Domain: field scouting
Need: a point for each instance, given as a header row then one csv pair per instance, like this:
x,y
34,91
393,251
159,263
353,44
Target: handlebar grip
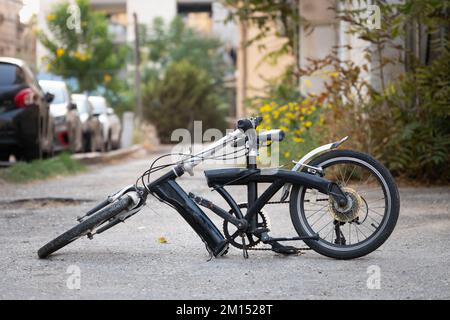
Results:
x,y
271,135
258,121
246,124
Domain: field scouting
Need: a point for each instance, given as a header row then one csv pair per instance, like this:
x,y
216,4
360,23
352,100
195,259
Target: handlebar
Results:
x,y
251,123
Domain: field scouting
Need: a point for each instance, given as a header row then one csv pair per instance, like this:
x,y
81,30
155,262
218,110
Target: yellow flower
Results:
x,y
265,108
290,115
307,83
307,124
321,120
51,17
276,114
59,52
80,55
106,78
287,154
285,129
298,139
333,74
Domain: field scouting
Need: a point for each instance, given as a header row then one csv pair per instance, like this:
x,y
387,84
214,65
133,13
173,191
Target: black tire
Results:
x,y
87,142
108,143
385,227
32,147
4,157
82,228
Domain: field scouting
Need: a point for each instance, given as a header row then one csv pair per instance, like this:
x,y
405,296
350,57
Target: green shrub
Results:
x,y
60,165
184,93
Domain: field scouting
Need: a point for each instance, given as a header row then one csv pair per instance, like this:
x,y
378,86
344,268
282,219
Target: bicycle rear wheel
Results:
x,y
366,222
86,226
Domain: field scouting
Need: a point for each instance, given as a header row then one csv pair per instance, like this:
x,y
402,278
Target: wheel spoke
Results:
x,y
321,208
323,214
350,176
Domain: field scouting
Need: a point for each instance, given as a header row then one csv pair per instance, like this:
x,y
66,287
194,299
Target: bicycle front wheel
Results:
x,y
369,217
86,226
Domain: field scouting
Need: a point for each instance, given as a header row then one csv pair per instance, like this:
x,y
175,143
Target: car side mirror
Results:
x,y
49,97
73,106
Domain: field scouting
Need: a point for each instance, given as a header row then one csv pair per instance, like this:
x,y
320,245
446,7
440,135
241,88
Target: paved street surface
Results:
x,y
129,262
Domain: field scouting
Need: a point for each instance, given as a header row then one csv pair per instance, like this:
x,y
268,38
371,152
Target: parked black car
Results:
x,y
26,128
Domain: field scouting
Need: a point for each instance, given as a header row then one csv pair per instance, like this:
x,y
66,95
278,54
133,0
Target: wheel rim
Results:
x,y
312,207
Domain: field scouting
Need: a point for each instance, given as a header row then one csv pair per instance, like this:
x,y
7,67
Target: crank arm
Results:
x,y
270,239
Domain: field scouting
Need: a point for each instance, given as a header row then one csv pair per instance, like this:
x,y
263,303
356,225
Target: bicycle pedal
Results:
x,y
287,250
260,231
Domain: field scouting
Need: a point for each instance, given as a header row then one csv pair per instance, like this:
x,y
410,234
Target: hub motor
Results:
x,y
351,211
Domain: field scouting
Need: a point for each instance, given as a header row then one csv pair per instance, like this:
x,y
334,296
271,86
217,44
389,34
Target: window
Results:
x,y
10,75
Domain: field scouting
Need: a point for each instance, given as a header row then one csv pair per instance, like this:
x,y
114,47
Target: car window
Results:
x,y
31,79
59,92
11,74
82,105
99,105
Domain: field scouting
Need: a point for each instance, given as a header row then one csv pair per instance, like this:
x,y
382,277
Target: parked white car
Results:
x,y
92,128
66,119
111,125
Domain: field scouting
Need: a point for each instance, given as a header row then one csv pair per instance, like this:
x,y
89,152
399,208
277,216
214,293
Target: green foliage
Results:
x,y
90,56
175,42
420,144
184,93
42,169
183,78
402,120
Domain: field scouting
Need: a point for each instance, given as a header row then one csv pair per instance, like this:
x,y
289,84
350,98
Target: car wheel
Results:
x,y
33,148
87,141
79,138
4,157
47,142
108,142
99,141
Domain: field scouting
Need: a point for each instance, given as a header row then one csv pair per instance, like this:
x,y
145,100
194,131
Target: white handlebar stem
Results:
x,y
199,157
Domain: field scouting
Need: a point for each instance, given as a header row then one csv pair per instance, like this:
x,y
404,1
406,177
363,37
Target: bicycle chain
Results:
x,y
270,249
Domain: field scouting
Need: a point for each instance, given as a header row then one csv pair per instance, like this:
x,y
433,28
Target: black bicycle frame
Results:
x,y
168,191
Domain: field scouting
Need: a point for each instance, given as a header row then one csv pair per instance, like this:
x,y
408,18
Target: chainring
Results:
x,y
250,240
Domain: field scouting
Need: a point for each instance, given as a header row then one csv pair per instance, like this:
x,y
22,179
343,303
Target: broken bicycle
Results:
x,y
343,204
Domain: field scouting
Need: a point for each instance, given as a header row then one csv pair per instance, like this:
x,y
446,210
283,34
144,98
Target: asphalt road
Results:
x,y
129,262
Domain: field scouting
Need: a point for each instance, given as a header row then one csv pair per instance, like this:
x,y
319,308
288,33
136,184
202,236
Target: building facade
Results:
x,y
16,39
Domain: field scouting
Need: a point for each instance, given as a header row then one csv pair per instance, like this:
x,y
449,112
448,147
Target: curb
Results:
x,y
99,157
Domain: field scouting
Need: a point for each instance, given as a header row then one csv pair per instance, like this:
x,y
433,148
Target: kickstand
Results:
x,y
244,248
